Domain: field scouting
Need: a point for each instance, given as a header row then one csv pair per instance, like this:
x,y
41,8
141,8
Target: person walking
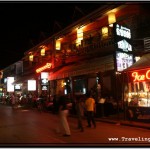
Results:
x,y
13,100
90,110
80,108
63,113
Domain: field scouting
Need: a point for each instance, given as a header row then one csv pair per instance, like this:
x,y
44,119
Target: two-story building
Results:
x,y
88,55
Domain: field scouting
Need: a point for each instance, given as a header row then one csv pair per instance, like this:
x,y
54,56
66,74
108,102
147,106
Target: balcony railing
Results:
x,y
96,48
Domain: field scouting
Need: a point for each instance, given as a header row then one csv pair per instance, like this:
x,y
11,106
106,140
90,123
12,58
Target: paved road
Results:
x,y
22,127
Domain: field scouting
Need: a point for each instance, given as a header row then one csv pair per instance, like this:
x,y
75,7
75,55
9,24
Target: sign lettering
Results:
x,y
48,65
137,77
123,31
124,45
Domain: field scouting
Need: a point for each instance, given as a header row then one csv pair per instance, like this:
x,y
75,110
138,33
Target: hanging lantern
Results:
x,y
58,44
78,42
43,52
111,19
105,31
31,57
80,34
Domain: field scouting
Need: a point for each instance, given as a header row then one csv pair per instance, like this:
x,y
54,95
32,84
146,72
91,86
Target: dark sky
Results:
x,y
25,24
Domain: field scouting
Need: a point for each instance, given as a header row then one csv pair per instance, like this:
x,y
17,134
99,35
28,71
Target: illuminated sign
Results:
x,y
10,86
31,85
122,38
48,65
44,75
44,88
44,78
44,81
137,58
141,76
124,56
123,60
17,87
124,45
123,31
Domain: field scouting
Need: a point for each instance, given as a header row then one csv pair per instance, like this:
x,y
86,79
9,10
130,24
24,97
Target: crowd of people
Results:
x,y
27,100
61,106
83,106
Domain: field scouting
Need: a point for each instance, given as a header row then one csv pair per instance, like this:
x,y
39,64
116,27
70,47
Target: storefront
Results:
x,y
137,90
80,77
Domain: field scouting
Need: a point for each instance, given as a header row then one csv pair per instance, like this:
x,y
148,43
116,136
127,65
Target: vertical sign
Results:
x,y
44,80
10,86
123,55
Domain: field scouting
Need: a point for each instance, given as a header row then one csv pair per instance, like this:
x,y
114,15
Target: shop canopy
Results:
x,y
143,63
84,67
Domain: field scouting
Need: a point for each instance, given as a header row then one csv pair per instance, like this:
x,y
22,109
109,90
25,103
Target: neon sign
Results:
x,y
141,77
48,65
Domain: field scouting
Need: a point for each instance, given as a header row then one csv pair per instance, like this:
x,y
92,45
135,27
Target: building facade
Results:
x,y
88,55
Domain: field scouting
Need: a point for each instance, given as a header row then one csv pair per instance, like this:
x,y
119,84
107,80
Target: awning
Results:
x,y
143,63
89,66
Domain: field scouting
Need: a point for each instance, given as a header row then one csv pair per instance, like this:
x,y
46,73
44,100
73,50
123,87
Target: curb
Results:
x,y
121,122
131,124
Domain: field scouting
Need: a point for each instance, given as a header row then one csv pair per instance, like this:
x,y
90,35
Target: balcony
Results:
x,y
96,48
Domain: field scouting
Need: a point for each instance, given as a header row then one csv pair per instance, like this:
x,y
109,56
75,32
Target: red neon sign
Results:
x,y
48,65
141,77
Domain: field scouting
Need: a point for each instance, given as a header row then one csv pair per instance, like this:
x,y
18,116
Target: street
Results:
x,y
29,127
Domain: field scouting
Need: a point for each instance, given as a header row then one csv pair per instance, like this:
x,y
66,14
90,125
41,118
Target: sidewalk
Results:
x,y
125,122
114,120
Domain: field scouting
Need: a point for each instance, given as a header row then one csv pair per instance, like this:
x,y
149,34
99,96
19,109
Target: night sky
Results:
x,y
25,24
